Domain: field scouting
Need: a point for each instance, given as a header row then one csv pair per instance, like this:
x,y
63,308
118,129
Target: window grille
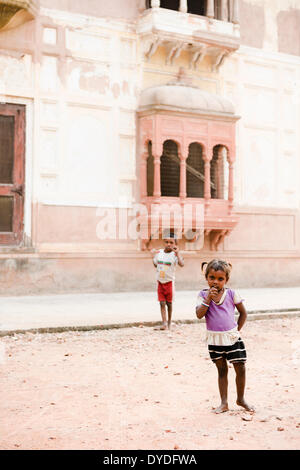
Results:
x,y
7,125
170,4
150,171
195,171
218,172
170,170
197,7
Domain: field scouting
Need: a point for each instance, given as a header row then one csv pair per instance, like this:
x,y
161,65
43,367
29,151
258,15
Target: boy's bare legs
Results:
x,y
163,315
240,380
223,384
170,310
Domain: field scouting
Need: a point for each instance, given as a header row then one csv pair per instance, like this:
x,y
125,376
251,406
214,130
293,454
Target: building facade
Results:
x,y
111,112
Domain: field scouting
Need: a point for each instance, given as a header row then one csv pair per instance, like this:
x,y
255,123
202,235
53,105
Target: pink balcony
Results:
x,y
187,144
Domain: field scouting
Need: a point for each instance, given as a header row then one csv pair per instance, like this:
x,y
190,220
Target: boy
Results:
x,y
165,261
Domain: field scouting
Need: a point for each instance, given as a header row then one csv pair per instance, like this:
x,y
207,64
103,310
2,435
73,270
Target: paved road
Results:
x,y
74,310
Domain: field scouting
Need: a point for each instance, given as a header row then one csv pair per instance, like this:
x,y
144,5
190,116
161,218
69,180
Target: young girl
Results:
x,y
218,304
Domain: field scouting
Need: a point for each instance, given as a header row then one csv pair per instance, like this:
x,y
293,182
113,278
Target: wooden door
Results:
x,y
12,156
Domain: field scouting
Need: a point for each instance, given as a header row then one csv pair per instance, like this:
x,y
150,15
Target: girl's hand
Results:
x,y
213,293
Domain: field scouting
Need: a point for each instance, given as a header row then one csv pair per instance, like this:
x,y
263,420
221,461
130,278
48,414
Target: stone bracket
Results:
x,y
9,9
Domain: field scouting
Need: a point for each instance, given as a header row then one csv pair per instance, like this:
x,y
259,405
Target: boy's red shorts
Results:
x,y
165,291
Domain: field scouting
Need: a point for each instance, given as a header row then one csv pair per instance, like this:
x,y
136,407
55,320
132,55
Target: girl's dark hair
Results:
x,y
217,265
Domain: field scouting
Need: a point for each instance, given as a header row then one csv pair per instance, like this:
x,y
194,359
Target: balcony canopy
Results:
x,y
181,97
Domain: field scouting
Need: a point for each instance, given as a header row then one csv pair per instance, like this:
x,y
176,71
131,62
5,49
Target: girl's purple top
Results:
x,y
220,317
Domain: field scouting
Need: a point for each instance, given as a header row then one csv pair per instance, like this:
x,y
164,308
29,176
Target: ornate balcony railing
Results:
x,y
214,34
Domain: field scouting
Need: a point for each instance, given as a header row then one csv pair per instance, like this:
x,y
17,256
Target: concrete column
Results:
x,y
210,10
236,12
155,3
183,7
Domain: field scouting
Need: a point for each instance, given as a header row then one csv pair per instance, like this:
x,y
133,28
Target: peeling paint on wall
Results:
x,y
288,24
125,88
87,77
94,83
252,24
116,90
114,9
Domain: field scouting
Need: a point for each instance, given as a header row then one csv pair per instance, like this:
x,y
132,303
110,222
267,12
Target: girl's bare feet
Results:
x,y
245,405
164,326
222,408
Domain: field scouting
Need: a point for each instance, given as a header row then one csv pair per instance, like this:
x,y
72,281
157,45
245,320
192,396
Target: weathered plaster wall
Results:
x,y
270,25
288,23
116,8
265,88
116,272
252,21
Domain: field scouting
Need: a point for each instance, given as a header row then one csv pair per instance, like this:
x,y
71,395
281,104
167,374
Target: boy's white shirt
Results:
x,y
165,272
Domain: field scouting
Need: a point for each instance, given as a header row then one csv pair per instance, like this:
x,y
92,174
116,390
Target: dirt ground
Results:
x,y
139,388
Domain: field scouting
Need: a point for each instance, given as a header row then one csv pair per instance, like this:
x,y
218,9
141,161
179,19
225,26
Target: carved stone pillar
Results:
x,y
182,189
231,183
183,7
156,186
143,173
220,174
236,12
224,10
207,192
155,3
210,9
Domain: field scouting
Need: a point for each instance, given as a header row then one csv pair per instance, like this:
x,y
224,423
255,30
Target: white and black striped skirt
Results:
x,y
233,353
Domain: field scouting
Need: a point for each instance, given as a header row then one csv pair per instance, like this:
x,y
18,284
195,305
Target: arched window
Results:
x,y
170,4
195,171
219,173
197,7
150,170
170,170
